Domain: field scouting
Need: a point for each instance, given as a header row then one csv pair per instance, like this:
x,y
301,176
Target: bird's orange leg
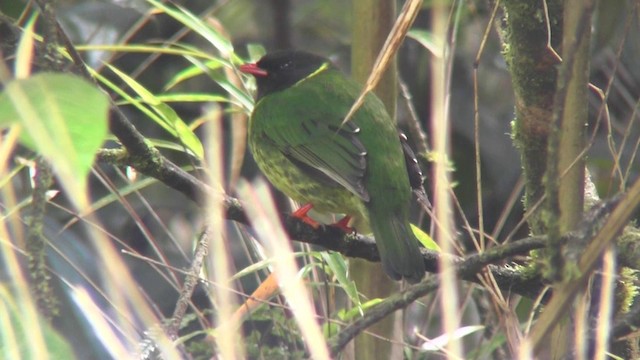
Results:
x,y
301,214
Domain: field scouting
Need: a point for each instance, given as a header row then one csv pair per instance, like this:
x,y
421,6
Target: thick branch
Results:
x,y
529,50
565,174
155,165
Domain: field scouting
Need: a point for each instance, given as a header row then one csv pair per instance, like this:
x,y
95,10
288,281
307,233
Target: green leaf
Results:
x,y
426,39
63,117
241,96
330,329
192,97
183,97
193,71
172,49
255,51
425,239
340,270
166,116
346,315
220,42
263,264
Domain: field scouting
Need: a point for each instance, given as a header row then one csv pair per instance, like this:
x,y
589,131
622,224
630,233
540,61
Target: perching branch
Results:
x,y
36,243
358,246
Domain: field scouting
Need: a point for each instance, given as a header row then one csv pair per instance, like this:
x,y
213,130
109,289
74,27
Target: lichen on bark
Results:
x,y
530,53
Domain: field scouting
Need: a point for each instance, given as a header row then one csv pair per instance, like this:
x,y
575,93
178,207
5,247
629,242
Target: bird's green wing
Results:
x,y
328,153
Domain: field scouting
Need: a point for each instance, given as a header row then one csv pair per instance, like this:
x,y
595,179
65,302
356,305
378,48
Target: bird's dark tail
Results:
x,y
398,246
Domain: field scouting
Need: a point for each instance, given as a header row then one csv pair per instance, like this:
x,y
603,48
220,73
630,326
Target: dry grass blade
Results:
x,y
99,323
267,289
24,56
264,218
219,260
394,40
606,307
441,130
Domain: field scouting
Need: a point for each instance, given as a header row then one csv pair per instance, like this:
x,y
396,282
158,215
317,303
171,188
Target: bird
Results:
x,y
300,141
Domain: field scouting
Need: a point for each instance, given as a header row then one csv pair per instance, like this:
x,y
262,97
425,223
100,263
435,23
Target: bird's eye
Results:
x,y
285,65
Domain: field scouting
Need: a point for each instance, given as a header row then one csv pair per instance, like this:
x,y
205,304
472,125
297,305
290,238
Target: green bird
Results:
x,y
358,168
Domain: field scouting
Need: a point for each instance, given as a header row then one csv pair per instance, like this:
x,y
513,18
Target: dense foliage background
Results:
x,y
144,240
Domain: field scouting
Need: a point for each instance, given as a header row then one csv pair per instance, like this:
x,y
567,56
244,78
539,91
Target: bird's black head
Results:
x,y
279,70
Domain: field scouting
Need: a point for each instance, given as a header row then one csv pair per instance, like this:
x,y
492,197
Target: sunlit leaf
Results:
x,y
426,39
425,239
256,51
170,120
346,315
340,269
191,72
145,49
64,118
192,97
241,96
188,19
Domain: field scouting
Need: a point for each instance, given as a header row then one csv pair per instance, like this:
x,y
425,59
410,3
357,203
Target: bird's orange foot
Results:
x,y
302,214
343,224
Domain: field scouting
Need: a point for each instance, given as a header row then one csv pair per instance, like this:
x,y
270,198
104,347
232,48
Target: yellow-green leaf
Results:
x,y
63,117
166,116
425,239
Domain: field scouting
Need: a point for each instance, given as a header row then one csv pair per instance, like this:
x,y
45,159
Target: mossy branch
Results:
x,y
531,35
565,174
36,243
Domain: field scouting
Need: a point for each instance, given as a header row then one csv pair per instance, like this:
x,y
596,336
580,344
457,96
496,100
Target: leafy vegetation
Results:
x,y
135,225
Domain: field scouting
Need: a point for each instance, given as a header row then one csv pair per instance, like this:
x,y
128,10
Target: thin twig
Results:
x,y
190,282
465,269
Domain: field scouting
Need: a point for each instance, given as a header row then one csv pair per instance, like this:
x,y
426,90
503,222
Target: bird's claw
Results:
x,y
302,214
343,224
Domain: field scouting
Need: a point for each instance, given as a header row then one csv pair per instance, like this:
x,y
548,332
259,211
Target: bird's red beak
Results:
x,y
253,69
